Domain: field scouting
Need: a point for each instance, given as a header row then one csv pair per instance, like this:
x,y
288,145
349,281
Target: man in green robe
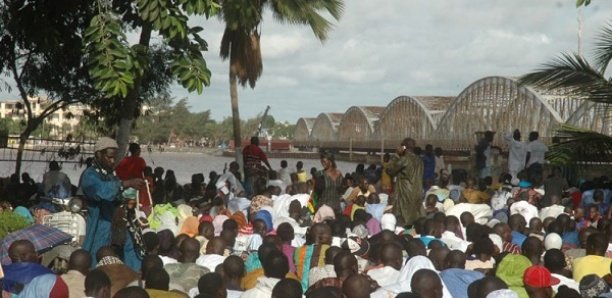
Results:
x,y
407,167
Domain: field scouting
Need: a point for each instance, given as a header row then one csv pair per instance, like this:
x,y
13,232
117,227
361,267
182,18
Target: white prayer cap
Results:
x,y
105,143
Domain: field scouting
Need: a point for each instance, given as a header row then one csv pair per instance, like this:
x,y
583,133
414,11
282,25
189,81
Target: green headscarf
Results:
x,y
511,270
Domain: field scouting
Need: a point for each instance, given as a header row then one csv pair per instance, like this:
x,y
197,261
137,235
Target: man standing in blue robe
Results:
x,y
102,190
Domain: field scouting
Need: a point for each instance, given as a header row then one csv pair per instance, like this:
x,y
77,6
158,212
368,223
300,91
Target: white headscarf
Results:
x,y
413,265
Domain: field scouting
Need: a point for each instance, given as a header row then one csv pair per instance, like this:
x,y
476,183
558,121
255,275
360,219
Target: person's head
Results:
x,y
486,285
532,248
211,285
320,233
275,265
427,284
584,235
455,259
451,223
190,250
285,232
22,251
517,223
206,229
438,256
80,260
373,198
132,292
105,251
466,218
356,286
538,281
409,143
597,244
484,248
386,157
535,224
150,264
97,284
429,149
431,200
134,149
105,153
229,236
488,135
415,247
331,253
255,140
216,246
391,255
328,161
429,227
554,260
345,264
534,135
516,135
233,268
287,288
593,286
54,166
158,280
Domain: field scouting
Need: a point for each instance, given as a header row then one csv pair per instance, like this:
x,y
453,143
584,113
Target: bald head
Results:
x,y
22,251
409,143
190,250
105,251
391,255
426,283
233,268
80,260
356,286
345,264
455,259
215,246
321,233
437,256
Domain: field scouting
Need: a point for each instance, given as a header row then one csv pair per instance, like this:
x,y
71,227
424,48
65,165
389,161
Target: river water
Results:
x,y
184,165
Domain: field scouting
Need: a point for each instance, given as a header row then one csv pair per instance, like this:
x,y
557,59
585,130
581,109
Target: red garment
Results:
x,y
132,167
511,248
253,156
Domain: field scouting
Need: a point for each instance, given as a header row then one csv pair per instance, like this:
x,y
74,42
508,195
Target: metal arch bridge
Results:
x,y
493,103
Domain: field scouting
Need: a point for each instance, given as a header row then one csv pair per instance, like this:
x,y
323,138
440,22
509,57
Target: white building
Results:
x,y
60,123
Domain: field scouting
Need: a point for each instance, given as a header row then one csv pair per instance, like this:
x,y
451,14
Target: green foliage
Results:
x,y
582,2
11,222
112,64
580,145
573,76
115,65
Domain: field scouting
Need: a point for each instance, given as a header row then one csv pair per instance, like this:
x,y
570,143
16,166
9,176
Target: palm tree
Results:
x,y
240,42
572,75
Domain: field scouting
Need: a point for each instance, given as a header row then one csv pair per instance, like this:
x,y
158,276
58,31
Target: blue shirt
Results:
x,y
457,280
21,274
571,238
518,238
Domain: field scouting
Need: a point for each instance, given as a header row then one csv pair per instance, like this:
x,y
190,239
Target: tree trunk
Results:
x,y
23,138
131,102
235,115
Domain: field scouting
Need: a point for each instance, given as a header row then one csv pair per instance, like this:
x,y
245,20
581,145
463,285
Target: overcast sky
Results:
x,y
386,48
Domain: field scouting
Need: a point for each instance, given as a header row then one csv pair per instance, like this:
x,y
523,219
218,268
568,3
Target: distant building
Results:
x,y
60,123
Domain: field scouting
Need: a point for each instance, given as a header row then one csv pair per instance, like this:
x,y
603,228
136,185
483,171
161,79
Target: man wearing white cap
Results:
x,y
102,190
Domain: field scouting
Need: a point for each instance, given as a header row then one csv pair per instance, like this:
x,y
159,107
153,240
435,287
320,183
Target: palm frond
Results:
x,y
571,75
580,147
308,12
244,51
603,48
